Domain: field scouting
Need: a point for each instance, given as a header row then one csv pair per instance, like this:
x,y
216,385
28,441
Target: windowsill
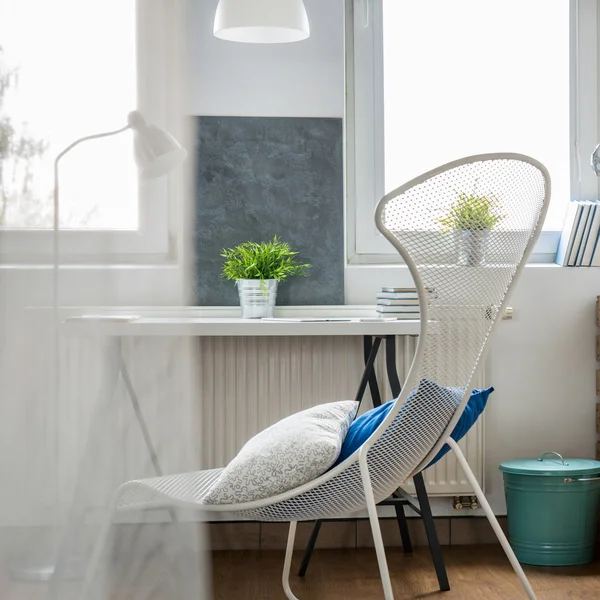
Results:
x,y
362,282
544,252
152,263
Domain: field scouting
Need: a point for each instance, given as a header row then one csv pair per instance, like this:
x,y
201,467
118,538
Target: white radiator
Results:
x,y
248,384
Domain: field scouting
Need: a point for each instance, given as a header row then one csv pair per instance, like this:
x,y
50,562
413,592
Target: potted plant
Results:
x,y
471,217
257,268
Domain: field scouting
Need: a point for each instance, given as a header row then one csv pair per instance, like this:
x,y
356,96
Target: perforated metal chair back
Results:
x,y
463,279
465,231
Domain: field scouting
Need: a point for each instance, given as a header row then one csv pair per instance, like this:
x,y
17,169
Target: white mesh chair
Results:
x,y
462,295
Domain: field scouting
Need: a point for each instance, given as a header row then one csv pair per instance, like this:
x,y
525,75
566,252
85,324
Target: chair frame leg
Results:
x,y
287,563
430,530
516,565
386,582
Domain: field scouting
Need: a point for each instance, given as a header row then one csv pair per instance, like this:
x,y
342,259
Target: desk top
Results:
x,y
220,322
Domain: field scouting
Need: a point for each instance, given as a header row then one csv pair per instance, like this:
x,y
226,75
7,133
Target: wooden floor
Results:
x,y
475,572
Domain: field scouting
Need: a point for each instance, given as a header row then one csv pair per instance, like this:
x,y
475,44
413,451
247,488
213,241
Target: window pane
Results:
x,y
67,69
473,76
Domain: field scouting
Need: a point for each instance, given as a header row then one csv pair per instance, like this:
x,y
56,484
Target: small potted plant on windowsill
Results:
x,y
471,217
257,268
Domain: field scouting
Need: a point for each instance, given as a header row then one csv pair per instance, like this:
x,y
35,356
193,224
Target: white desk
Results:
x,y
228,327
221,322
225,322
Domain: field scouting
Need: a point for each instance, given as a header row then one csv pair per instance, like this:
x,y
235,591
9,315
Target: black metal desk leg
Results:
x,y
390,363
434,543
370,351
138,411
432,538
140,418
403,526
396,388
368,378
309,549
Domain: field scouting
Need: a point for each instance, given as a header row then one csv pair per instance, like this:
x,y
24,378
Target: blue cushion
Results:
x,y
474,408
362,428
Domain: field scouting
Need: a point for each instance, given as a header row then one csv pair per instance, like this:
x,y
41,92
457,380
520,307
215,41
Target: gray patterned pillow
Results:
x,y
292,452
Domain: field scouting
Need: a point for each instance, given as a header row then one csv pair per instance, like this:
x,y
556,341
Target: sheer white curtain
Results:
x,y
62,458
69,430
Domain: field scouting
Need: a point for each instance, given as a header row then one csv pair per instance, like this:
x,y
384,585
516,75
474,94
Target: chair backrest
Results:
x,y
463,281
465,231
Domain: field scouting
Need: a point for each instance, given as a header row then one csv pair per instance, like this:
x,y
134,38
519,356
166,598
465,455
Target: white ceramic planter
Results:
x,y
257,298
471,247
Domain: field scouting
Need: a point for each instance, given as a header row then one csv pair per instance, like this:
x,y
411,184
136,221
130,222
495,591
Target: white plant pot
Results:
x,y
257,298
471,247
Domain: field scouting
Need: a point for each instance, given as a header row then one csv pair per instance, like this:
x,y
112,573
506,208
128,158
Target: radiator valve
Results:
x,y
460,502
457,503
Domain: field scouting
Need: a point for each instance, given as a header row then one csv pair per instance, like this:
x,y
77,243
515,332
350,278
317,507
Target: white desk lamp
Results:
x,y
261,21
156,153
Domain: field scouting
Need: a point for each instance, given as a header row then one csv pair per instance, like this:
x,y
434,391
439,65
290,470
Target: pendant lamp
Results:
x,y
261,21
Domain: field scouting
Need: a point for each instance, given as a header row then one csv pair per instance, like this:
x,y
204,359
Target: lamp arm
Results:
x,y
55,220
56,194
55,254
94,136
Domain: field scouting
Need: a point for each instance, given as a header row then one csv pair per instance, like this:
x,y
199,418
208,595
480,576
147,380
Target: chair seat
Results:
x,y
334,497
183,488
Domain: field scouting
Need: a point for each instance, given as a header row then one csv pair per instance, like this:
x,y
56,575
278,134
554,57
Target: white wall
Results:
x,y
303,79
542,363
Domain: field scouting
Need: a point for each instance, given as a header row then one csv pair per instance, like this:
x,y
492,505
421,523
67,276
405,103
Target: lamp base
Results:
x,y
42,571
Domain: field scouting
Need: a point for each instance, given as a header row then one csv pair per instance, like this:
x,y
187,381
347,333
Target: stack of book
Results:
x,y
578,246
401,303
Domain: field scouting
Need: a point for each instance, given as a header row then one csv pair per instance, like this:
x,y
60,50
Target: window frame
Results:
x,y
364,125
158,64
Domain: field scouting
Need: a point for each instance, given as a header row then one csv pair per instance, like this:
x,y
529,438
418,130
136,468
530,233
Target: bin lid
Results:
x,y
551,463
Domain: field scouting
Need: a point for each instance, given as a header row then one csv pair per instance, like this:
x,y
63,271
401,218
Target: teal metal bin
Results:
x,y
552,506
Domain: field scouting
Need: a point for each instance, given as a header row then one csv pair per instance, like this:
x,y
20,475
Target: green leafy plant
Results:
x,y
471,212
264,260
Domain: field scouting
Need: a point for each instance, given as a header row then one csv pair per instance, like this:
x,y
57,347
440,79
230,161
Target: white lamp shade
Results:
x,y
156,151
261,21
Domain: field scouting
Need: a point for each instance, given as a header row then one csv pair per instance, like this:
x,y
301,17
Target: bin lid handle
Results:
x,y
541,458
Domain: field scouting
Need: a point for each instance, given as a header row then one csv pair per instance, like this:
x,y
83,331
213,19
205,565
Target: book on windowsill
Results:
x,y
399,290
397,296
390,292
398,302
579,240
401,316
398,310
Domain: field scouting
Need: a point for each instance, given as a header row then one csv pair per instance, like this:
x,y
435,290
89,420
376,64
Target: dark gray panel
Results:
x,y
258,177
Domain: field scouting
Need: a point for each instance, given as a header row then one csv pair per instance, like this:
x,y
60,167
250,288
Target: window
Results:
x,y
432,81
69,69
